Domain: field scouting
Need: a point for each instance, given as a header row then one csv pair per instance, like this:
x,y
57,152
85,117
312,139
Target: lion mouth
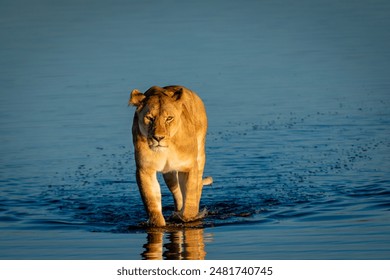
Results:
x,y
157,146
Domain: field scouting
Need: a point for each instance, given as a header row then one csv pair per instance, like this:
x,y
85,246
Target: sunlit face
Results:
x,y
159,121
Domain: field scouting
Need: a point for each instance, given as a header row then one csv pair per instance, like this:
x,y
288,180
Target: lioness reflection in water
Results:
x,y
182,244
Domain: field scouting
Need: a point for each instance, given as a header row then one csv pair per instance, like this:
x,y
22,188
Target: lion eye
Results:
x,y
169,119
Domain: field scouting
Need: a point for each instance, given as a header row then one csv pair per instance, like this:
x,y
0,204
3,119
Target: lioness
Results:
x,y
169,133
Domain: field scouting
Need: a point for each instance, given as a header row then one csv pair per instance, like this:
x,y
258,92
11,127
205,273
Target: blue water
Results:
x,y
298,100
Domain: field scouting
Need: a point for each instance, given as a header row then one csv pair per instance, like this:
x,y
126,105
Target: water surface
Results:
x,y
297,95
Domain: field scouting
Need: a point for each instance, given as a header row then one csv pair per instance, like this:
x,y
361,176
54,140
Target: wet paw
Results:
x,y
156,221
178,216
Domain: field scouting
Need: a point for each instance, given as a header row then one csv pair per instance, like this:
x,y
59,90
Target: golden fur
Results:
x,y
169,133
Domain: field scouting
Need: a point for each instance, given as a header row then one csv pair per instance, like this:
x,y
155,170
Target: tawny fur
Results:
x,y
169,133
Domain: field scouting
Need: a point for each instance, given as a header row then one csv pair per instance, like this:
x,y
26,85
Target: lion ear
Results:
x,y
136,98
178,94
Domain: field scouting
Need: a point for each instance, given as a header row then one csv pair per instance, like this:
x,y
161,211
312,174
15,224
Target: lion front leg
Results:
x,y
189,186
151,196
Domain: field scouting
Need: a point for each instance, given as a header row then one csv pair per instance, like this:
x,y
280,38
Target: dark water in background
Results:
x,y
297,94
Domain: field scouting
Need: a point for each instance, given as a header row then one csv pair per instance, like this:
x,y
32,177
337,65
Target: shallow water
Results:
x,y
298,145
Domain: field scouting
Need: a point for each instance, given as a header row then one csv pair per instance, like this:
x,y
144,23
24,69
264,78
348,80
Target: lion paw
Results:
x,y
156,221
178,216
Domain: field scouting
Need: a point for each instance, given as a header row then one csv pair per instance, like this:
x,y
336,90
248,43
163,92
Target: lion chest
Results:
x,y
175,163
166,161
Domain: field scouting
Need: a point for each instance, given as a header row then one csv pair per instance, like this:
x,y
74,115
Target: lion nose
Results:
x,y
158,138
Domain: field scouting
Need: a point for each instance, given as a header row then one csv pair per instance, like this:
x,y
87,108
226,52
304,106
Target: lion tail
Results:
x,y
207,181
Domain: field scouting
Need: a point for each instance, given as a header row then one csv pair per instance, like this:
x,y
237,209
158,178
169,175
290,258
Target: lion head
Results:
x,y
158,114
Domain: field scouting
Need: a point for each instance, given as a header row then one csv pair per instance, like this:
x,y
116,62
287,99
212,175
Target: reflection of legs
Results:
x,y
151,196
194,245
172,181
187,244
174,249
153,248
